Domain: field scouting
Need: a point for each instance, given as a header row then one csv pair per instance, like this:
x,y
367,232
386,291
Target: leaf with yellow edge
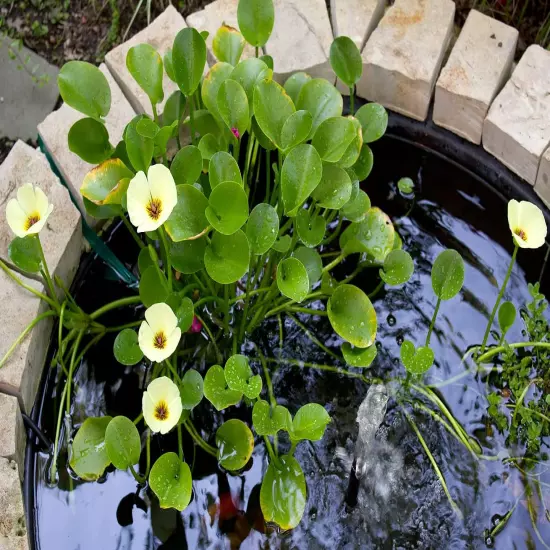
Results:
x,y
100,182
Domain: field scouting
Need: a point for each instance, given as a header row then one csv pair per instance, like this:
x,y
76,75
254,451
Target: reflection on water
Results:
x,y
398,501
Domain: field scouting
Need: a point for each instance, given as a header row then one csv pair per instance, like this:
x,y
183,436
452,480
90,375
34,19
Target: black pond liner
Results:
x,y
407,148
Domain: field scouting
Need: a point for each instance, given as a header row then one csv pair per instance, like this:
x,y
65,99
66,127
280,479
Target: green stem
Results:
x,y
130,300
71,371
351,100
499,298
313,338
53,470
432,324
291,303
137,477
226,308
191,120
189,426
334,263
155,113
210,335
148,464
173,371
495,351
28,328
47,275
308,310
132,231
167,260
270,450
180,443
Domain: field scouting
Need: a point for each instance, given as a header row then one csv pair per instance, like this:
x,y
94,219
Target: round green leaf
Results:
x,y
223,167
170,479
321,99
272,108
188,256
248,73
334,189
188,59
147,128
217,391
283,492
122,443
311,229
239,376
174,108
282,245
328,284
358,205
228,207
140,149
187,220
103,212
296,129
374,121
211,85
294,85
358,357
89,139
332,138
416,361
398,268
185,313
145,64
374,235
101,183
186,167
268,421
153,287
256,19
292,279
235,444
192,389
228,44
309,423
351,154
345,60
88,454
312,262
168,65
126,348
363,165
24,252
506,316
406,186
352,316
268,60
208,146
84,87
300,175
447,274
262,228
263,140
227,256
233,106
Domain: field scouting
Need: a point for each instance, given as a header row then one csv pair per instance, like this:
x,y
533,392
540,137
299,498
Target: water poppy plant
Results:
x,y
161,404
28,213
159,334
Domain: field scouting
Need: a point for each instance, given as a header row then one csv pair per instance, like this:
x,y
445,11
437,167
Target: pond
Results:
x,y
398,502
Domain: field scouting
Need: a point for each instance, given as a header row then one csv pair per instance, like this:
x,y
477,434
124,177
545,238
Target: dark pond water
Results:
x,y
400,503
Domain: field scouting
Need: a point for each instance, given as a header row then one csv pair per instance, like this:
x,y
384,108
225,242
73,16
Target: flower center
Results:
x,y
520,233
31,220
154,209
159,340
161,410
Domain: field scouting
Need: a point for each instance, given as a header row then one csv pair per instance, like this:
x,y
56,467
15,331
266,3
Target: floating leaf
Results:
x,y
294,85
311,229
352,316
239,376
358,205
283,492
126,348
506,316
122,443
406,186
217,391
374,121
153,287
191,389
300,175
334,189
398,268
262,228
24,252
248,73
309,423
359,357
292,279
296,129
256,19
188,59
312,262
228,44
186,167
227,257
332,138
170,479
416,361
268,421
188,256
447,274
145,64
223,167
88,453
100,183
188,218
282,245
235,444
345,60
321,99
233,106
85,88
228,207
89,139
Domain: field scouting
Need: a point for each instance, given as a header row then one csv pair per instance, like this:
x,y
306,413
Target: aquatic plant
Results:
x,y
228,238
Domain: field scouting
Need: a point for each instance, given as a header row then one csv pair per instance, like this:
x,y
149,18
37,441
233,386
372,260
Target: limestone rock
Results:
x,y
542,185
160,34
517,128
477,68
402,58
13,531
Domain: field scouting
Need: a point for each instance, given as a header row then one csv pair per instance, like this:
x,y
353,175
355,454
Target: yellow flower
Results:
x,y
527,224
161,405
159,334
151,199
27,214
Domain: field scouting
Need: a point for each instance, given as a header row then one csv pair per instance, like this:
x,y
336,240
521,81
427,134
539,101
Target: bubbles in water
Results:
x,y
391,320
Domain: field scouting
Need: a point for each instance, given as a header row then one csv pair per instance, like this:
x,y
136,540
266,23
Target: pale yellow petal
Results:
x,y
148,407
27,198
145,341
138,196
172,341
163,188
174,413
37,227
161,318
16,218
533,224
160,389
42,204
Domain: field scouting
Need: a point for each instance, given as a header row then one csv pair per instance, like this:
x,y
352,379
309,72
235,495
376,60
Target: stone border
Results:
x,y
404,47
